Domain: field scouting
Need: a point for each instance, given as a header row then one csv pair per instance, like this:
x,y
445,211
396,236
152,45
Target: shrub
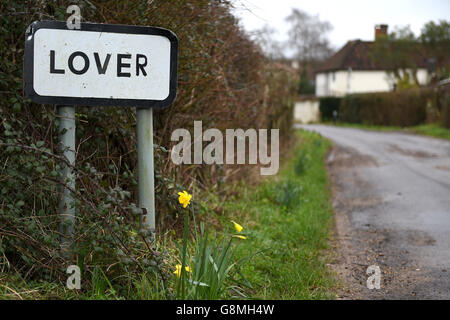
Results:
x,y
224,80
446,112
402,108
327,105
350,109
444,105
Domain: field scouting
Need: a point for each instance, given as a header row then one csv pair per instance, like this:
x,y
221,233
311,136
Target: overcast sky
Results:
x,y
351,19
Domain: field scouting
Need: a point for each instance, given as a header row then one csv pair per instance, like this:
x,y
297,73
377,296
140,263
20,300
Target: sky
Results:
x,y
351,19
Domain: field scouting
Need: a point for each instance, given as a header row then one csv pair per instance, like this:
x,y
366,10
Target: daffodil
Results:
x,y
178,270
184,198
239,236
237,226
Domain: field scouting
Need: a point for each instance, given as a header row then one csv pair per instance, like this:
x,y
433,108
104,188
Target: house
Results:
x,y
352,70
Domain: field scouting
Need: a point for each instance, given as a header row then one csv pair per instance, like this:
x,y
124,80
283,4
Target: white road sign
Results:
x,y
100,65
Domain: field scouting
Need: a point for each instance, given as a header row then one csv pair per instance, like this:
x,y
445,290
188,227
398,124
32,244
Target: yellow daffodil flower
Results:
x,y
178,270
239,236
184,198
237,226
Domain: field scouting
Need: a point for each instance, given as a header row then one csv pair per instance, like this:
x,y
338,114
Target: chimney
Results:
x,y
381,30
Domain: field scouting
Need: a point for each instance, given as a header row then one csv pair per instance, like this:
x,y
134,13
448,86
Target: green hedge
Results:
x,y
223,80
327,105
402,108
444,106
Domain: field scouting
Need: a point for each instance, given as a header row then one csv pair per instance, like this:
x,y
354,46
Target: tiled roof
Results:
x,y
357,55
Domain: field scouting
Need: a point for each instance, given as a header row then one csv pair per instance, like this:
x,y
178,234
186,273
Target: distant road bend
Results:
x,y
391,193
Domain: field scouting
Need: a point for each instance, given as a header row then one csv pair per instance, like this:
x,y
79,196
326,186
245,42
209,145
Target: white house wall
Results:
x,y
322,84
340,83
307,111
423,76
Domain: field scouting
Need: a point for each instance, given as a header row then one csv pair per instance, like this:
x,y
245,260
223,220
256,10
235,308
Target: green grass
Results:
x,y
287,222
432,130
12,287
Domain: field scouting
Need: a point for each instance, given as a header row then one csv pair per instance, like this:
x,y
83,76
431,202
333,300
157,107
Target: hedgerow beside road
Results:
x,y
224,81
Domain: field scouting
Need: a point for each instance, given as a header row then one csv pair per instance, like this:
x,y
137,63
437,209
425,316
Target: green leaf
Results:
x,y
6,125
40,169
16,107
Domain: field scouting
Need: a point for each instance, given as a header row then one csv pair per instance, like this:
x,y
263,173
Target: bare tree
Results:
x,y
265,38
308,37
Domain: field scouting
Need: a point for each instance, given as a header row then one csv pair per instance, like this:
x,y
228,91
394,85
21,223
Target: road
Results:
x,y
391,193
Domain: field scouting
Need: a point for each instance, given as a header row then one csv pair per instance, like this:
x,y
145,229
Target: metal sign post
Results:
x,y
66,116
145,166
102,65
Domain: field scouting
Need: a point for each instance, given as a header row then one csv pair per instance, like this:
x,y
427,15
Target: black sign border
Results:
x,y
99,27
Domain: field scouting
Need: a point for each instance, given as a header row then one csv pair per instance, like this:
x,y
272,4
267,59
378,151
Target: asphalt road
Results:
x,y
392,198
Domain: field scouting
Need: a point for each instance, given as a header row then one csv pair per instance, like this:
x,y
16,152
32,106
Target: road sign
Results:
x,y
100,64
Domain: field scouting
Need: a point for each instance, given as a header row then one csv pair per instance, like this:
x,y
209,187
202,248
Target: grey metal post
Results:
x,y
67,146
145,166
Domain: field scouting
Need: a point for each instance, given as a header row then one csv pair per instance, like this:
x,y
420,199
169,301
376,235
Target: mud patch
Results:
x,y
347,157
360,203
419,238
411,153
445,168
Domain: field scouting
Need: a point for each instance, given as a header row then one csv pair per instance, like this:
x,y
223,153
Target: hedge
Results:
x,y
443,103
403,108
224,80
327,105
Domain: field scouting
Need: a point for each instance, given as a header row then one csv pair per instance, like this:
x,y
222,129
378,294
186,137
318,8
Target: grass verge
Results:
x,y
288,221
432,130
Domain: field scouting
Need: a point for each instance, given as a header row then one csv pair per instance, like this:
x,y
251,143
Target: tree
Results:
x,y
398,53
435,38
308,39
308,36
271,48
305,85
